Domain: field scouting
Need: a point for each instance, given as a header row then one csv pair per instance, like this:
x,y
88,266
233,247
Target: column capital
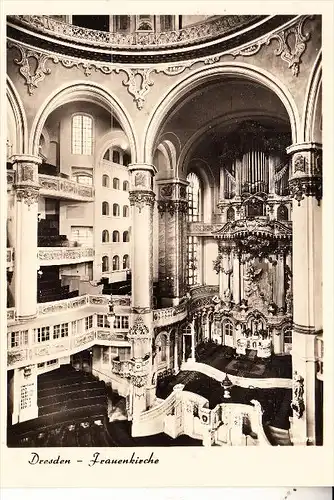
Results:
x,y
37,160
142,166
306,172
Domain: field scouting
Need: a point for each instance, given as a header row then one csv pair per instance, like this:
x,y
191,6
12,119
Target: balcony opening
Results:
x,y
100,23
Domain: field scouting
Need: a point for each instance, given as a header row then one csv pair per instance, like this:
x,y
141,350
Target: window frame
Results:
x,y
82,141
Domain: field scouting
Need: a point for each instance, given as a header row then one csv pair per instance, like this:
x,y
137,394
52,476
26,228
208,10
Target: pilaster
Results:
x,y
27,193
306,189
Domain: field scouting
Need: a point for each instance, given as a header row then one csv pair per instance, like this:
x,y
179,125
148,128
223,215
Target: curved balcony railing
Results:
x,y
65,188
170,315
214,27
55,256
51,185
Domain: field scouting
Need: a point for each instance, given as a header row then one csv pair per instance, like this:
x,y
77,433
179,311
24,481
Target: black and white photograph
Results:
x,y
163,228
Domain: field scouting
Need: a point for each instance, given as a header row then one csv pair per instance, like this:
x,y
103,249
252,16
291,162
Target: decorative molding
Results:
x,y
86,66
67,188
305,186
218,26
136,89
172,207
28,194
141,198
291,55
141,310
32,79
139,329
65,254
300,163
297,403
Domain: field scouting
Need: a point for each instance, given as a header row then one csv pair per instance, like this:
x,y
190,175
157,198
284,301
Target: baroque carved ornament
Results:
x,y
28,194
141,198
139,81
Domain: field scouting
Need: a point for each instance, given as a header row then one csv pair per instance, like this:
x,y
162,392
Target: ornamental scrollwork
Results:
x,y
306,186
138,92
138,380
139,329
32,78
172,207
290,54
141,198
297,403
29,195
141,310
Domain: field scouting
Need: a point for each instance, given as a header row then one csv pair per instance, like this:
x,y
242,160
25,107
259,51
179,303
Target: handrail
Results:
x,y
215,26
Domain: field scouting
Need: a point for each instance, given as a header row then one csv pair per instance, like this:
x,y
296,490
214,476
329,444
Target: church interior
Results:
x,y
164,230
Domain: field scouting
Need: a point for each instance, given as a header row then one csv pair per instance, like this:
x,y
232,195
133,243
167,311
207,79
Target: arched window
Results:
x,y
125,186
126,238
193,196
192,255
126,262
125,211
228,328
116,157
126,159
105,180
115,236
105,208
105,236
230,214
82,135
115,263
105,264
115,183
282,213
163,345
115,210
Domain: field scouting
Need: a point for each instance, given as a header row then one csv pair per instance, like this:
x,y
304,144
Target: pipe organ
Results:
x,y
256,239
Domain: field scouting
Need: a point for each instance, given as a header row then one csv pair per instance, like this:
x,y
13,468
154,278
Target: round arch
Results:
x,y
20,119
188,148
191,81
114,138
312,100
82,91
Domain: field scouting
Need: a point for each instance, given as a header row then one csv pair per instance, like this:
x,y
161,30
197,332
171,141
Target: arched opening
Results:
x,y
125,211
105,208
126,262
105,236
126,238
105,180
115,263
105,264
115,210
115,236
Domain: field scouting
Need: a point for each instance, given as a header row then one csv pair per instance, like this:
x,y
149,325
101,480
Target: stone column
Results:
x,y
280,288
172,207
306,189
176,355
141,199
26,263
236,277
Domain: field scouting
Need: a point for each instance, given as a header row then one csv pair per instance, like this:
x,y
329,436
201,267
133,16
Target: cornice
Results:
x,y
278,28
138,55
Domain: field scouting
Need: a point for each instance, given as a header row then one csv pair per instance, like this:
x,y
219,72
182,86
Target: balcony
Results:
x,y
210,29
59,256
170,315
58,187
10,259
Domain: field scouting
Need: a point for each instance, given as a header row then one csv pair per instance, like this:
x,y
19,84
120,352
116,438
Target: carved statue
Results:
x,y
297,403
250,276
